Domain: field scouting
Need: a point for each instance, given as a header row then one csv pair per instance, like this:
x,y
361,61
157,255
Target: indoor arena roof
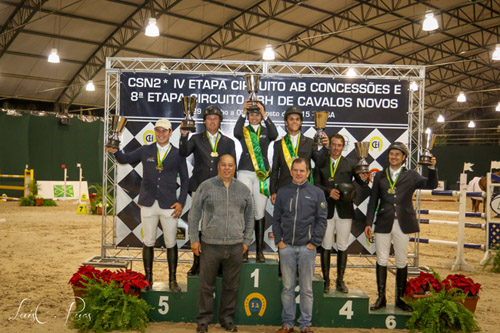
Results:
x,y
457,56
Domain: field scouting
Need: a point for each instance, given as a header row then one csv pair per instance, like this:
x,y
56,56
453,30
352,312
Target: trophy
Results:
x,y
252,81
188,104
117,125
320,118
362,153
426,157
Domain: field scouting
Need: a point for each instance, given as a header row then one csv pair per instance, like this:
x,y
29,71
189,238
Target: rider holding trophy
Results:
x,y
253,167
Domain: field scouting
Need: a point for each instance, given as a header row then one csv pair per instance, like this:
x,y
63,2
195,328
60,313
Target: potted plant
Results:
x,y
97,193
38,200
455,284
106,307
459,284
130,281
440,312
422,285
494,260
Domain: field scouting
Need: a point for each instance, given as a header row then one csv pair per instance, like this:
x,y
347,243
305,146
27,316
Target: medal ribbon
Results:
x,y
160,162
289,153
391,184
252,142
214,148
332,170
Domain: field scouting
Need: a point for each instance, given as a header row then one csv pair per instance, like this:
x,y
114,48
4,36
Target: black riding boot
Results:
x,y
325,256
172,255
195,269
381,281
147,259
259,239
341,265
401,275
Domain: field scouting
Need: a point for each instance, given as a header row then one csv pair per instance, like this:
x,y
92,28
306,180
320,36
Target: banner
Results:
x,y
361,109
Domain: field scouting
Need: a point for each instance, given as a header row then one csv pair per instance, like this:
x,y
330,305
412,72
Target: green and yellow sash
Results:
x,y
253,145
288,151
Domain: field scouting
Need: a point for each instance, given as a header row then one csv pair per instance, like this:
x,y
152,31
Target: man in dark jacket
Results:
x,y
299,224
291,146
161,163
392,192
207,147
335,177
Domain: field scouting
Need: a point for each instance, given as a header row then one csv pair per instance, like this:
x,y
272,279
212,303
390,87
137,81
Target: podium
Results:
x,y
259,302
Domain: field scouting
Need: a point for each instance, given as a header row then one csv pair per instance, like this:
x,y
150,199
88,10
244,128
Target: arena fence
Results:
x,y
489,227
29,175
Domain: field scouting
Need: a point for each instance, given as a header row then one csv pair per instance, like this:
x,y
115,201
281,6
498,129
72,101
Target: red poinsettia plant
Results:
x,y
126,279
423,284
426,282
462,283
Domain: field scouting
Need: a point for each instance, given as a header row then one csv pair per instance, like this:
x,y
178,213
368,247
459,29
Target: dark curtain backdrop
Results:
x,y
44,145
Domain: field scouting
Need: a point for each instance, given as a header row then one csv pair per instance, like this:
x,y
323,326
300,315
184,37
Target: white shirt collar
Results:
x,y
294,139
395,172
163,149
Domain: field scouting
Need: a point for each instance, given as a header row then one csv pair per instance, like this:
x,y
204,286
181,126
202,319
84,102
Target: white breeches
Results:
x,y
150,216
400,241
259,200
342,227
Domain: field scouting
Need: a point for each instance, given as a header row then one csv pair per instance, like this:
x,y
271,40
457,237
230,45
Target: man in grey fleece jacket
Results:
x,y
225,208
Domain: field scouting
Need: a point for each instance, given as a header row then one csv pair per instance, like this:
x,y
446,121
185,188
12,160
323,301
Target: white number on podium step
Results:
x,y
163,305
390,322
255,275
347,310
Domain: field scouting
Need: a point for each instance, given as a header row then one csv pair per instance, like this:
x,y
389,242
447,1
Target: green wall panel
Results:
x,y
44,144
451,159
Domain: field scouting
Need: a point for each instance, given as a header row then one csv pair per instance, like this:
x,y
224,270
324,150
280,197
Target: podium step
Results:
x,y
259,302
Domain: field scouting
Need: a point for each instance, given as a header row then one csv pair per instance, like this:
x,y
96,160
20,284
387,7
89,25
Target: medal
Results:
x,y
159,167
392,189
330,179
214,154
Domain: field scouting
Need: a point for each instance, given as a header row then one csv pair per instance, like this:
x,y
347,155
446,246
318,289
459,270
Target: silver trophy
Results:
x,y
252,81
117,125
188,105
426,157
362,149
320,119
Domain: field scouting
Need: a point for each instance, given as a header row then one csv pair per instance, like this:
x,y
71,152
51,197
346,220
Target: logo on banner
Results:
x,y
149,137
255,302
376,143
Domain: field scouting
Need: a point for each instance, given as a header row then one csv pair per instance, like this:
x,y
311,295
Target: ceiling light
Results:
x,y
14,113
351,72
39,113
428,130
152,29
440,119
413,86
430,22
498,107
53,57
268,53
496,53
472,124
461,97
90,86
